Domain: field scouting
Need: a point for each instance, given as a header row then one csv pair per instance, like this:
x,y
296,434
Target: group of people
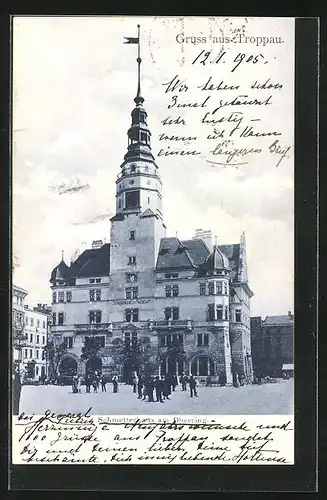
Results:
x,y
161,387
148,388
94,380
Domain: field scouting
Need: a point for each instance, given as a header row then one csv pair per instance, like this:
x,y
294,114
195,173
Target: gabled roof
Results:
x,y
148,213
232,252
92,262
174,254
197,249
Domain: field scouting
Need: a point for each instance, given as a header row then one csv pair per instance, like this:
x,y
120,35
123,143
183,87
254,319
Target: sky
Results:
x,y
74,81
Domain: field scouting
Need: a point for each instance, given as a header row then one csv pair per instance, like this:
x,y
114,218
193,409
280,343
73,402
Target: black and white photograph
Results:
x,y
153,218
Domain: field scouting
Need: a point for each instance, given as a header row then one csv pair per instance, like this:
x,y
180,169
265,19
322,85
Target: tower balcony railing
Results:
x,y
92,327
171,324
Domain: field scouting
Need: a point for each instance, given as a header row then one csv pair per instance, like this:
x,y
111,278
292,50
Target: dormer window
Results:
x,y
133,169
144,137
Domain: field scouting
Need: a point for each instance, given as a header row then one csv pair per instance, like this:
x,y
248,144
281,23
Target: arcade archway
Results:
x,y
68,367
128,369
202,366
171,366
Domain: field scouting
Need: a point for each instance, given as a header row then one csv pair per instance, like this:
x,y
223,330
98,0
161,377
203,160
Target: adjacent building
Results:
x,y
272,344
36,333
143,285
18,322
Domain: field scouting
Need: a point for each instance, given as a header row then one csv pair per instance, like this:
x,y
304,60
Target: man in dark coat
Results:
x,y
115,384
174,381
158,387
139,387
166,387
103,383
150,389
88,383
193,383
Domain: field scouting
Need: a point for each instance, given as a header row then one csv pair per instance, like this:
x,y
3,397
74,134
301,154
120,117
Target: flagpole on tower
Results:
x,y
139,60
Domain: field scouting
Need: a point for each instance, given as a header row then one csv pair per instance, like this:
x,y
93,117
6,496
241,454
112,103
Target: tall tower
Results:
x,y
137,227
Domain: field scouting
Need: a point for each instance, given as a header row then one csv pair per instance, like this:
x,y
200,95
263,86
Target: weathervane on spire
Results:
x,y
138,99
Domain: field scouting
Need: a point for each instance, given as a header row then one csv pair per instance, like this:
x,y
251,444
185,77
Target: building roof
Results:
x,y
174,254
92,262
285,319
19,289
197,249
232,252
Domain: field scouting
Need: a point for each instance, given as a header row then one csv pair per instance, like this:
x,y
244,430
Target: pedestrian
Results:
x,y
88,383
158,388
150,389
135,380
174,381
103,383
145,389
183,380
166,387
193,384
115,384
139,388
75,384
95,384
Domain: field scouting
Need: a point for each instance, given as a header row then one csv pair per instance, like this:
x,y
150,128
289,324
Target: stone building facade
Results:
x,y
18,322
36,337
145,285
272,343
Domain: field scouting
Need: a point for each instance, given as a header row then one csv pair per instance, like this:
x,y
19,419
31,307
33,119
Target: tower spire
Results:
x,y
138,99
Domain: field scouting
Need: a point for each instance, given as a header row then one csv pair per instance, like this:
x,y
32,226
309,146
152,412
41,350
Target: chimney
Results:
x,y
204,235
290,315
97,243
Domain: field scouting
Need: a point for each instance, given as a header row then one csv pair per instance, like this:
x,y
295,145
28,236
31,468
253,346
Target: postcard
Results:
x,y
153,240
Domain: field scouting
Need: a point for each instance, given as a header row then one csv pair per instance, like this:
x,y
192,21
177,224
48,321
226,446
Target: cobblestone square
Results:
x,y
266,399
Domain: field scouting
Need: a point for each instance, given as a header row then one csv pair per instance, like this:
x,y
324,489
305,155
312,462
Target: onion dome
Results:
x,y
60,272
216,261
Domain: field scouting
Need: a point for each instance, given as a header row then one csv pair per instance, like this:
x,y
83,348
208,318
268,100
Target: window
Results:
x,y
211,312
175,291
202,366
32,321
54,319
36,370
98,280
225,289
211,288
92,295
92,280
131,292
219,288
172,313
43,324
171,339
31,337
133,169
171,275
60,319
203,339
31,353
69,296
130,278
61,296
98,295
95,316
168,291
226,313
219,312
68,341
130,339
38,339
131,260
238,315
132,235
25,353
132,199
26,320
143,137
43,339
37,353
202,288
131,315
